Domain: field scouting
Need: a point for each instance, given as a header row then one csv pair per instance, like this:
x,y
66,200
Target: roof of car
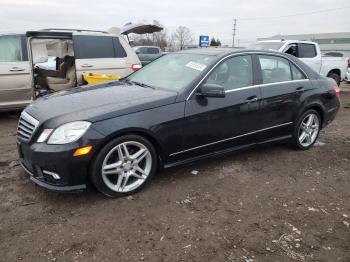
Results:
x,y
210,51
219,52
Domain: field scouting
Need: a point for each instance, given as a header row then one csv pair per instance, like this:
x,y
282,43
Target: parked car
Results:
x,y
56,60
183,107
310,54
147,54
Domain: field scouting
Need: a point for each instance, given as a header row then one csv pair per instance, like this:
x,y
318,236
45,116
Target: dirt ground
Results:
x,y
265,204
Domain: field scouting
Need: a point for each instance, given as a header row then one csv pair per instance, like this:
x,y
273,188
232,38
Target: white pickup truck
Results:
x,y
310,54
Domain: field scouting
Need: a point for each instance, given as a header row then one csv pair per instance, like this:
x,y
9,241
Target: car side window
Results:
x,y
307,51
235,72
11,48
153,51
297,74
97,47
274,69
119,50
143,50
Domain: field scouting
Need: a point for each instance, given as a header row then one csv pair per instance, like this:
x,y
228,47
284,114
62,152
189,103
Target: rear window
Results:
x,y
307,50
86,47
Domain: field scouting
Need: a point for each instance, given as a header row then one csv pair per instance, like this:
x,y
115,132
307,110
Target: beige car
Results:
x,y
53,59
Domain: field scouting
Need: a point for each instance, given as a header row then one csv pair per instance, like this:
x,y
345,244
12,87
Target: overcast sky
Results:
x,y
208,17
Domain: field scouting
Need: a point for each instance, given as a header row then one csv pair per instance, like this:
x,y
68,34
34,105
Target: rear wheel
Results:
x,y
124,166
306,130
336,77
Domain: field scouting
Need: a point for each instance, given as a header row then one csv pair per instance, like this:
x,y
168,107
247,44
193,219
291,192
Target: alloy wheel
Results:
x,y
308,130
126,166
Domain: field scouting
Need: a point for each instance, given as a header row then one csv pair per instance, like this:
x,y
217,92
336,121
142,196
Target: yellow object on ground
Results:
x,y
91,78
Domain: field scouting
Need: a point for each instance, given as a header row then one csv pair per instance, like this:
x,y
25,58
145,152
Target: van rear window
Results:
x,y
86,47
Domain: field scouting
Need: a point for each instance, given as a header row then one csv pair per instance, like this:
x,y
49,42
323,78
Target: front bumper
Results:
x,y
41,182
54,166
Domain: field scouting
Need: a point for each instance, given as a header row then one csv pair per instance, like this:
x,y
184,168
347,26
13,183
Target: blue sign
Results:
x,y
203,40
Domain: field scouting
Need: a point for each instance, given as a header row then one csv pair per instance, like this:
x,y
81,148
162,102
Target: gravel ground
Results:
x,y
266,204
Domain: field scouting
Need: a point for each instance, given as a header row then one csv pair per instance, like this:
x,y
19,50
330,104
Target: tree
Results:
x,y
213,42
182,37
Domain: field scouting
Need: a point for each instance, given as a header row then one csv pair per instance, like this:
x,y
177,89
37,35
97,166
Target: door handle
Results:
x,y
300,89
87,65
251,99
16,69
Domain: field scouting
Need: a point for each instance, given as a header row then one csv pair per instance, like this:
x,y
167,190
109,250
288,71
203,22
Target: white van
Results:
x,y
51,60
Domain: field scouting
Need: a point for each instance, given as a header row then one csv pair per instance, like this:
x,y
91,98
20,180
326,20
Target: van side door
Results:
x,y
99,54
15,80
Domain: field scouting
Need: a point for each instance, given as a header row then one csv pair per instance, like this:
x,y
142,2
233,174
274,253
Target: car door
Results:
x,y
99,54
153,53
282,87
213,124
15,81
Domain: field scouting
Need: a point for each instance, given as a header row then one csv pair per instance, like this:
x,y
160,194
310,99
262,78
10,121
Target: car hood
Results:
x,y
98,102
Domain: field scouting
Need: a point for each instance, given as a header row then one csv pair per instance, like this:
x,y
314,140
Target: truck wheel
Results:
x,y
336,77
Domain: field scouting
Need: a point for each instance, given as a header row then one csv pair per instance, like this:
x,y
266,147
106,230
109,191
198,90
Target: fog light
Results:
x,y
82,151
54,175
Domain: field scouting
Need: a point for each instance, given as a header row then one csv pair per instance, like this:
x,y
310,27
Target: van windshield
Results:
x,y
172,71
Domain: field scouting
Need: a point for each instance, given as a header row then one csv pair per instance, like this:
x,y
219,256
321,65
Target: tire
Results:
x,y
117,172
312,132
336,77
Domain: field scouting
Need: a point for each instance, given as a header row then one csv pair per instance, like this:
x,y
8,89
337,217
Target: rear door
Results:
x,y
99,54
282,87
15,81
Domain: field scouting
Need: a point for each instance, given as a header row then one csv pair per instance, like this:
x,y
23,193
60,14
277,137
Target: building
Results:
x,y
328,41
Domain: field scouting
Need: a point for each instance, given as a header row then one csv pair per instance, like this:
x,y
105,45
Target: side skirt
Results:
x,y
224,152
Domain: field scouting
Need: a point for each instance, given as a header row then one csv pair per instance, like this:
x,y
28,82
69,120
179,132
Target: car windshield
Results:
x,y
268,46
172,71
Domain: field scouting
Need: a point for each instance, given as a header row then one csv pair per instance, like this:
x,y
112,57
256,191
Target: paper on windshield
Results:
x,y
196,66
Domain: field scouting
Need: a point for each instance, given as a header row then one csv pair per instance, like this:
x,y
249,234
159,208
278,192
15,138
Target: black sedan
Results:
x,y
183,107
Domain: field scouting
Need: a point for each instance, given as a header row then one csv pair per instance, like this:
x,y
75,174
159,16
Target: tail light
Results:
x,y
336,90
135,67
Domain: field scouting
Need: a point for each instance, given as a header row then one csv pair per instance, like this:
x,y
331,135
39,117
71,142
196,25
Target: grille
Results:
x,y
26,126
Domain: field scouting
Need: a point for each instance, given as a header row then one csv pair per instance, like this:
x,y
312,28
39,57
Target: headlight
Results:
x,y
69,132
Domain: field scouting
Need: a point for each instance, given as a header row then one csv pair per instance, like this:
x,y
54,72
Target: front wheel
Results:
x,y
124,166
306,130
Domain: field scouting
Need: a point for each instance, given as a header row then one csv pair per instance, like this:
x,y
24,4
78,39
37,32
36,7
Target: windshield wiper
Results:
x,y
139,83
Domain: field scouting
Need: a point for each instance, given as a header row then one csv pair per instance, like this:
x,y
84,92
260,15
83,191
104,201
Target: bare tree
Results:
x,y
182,37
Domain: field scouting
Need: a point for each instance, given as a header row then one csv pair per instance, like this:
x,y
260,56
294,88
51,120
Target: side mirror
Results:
x,y
211,90
137,52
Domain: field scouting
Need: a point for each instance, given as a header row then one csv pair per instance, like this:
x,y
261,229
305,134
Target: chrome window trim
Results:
x,y
262,85
247,53
231,138
284,82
